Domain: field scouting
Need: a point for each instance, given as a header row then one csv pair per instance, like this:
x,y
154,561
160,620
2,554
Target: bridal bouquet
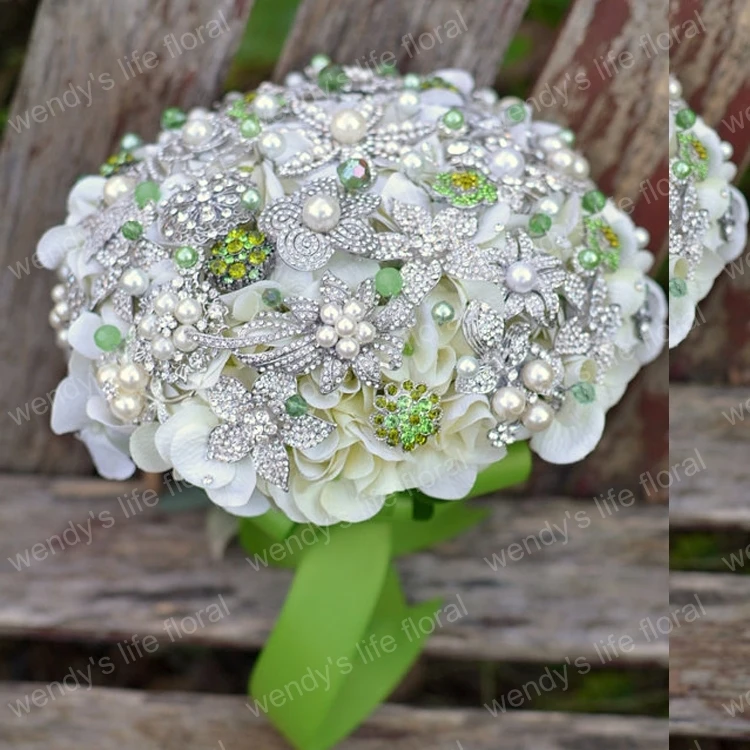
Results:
x,y
341,302
707,215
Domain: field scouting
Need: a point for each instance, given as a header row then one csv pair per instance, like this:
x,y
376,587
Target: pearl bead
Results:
x,y
165,303
538,417
134,281
507,163
521,277
61,337
106,374
642,236
197,132
581,167
58,293
132,377
365,332
272,145
562,159
148,326
354,309
548,206
54,319
347,348
321,213
62,310
675,89
467,366
508,403
551,143
442,312
727,149
412,162
266,106
326,336
162,348
127,406
330,313
345,326
348,126
408,103
188,310
537,375
117,186
184,338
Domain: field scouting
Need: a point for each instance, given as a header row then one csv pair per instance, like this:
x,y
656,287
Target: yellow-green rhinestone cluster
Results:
x,y
242,257
436,82
406,415
117,163
603,241
465,188
693,153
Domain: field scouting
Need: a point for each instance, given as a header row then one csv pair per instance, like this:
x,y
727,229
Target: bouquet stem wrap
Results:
x,y
311,679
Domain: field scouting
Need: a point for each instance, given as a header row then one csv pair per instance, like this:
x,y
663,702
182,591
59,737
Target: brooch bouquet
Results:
x,y
349,301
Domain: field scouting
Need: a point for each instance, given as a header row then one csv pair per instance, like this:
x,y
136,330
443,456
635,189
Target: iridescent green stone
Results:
x,y
107,337
272,297
250,126
539,224
453,119
244,255
332,78
132,230
594,201
185,257
583,392
296,406
685,118
354,174
388,282
516,112
172,118
589,259
681,169
677,287
147,192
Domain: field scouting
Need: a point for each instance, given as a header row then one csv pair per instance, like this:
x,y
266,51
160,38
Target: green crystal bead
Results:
x,y
250,126
185,256
453,119
583,392
388,282
516,112
332,78
589,259
681,169
354,174
539,224
132,230
408,349
251,199
295,406
147,192
677,287
412,81
107,337
685,118
567,136
443,312
173,117
130,141
594,201
272,297
320,61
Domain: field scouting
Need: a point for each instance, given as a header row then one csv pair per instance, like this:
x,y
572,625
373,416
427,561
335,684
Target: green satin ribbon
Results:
x,y
346,636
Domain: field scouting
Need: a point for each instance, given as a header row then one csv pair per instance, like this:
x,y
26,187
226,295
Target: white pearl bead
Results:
x,y
642,236
508,403
147,327
537,375
266,106
106,374
408,103
330,313
467,366
354,309
581,167
165,303
54,319
551,143
132,377
188,310
538,417
162,348
561,159
365,332
345,326
61,337
184,338
62,310
134,281
58,293
197,132
321,213
127,406
727,149
675,89
348,126
412,162
548,206
272,145
521,277
117,186
347,348
507,163
326,336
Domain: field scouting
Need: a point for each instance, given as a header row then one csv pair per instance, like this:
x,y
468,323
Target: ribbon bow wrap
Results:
x,y
312,680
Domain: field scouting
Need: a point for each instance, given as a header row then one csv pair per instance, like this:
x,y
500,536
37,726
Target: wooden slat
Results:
x,y
709,657
470,34
129,720
80,43
557,602
717,496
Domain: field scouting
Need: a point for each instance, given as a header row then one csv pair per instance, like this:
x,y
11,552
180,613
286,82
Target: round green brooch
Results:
x,y
242,257
406,415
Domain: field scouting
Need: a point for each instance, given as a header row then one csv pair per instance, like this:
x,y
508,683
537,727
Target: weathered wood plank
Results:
x,y
86,44
420,35
717,496
129,720
709,657
556,601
